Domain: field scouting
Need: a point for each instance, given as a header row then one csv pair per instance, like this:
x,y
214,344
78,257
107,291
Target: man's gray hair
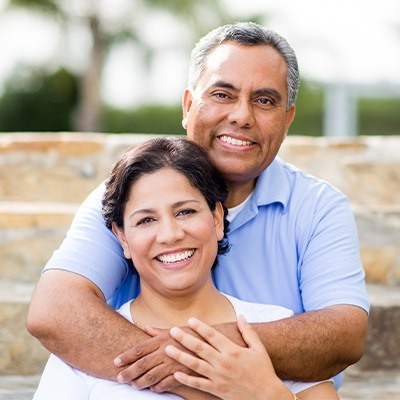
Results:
x,y
248,34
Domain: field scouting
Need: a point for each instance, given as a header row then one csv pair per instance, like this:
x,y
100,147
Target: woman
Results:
x,y
164,202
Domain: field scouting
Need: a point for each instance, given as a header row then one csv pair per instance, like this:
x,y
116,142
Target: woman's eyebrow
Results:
x,y
142,211
184,202
152,210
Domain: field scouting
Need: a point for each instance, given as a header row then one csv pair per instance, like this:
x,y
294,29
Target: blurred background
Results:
x,y
121,65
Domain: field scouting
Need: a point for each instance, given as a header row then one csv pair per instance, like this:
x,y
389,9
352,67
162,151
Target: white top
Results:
x,y
62,382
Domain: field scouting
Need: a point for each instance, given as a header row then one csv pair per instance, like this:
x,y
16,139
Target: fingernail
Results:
x,y
169,350
192,321
174,331
120,378
117,361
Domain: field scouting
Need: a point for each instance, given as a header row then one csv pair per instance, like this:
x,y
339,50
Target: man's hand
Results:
x,y
147,365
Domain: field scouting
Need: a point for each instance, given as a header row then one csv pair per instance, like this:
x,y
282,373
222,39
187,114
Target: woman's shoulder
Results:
x,y
258,312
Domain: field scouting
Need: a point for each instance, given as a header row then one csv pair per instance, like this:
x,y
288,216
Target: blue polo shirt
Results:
x,y
294,244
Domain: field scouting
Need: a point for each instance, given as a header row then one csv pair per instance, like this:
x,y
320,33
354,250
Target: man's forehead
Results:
x,y
258,66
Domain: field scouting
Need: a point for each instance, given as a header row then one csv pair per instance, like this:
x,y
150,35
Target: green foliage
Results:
x,y
309,111
35,101
379,116
44,6
158,119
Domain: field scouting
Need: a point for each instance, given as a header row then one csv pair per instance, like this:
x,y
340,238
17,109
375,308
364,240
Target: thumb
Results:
x,y
249,334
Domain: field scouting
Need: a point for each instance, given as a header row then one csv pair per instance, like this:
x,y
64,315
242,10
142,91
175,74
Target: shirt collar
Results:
x,y
272,185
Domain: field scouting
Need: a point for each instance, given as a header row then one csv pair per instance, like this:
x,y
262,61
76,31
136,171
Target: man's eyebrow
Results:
x,y
224,84
268,92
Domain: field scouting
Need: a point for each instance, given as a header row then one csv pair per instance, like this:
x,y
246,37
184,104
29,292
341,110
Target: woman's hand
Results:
x,y
228,371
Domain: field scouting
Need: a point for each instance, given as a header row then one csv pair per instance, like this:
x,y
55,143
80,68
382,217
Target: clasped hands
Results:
x,y
200,357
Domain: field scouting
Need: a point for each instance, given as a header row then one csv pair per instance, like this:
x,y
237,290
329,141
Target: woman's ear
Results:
x,y
219,220
186,103
119,233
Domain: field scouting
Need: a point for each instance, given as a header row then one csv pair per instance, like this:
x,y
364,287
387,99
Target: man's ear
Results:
x,y
218,215
289,118
186,103
119,233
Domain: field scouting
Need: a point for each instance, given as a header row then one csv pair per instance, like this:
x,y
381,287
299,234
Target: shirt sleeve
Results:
x,y
92,250
330,269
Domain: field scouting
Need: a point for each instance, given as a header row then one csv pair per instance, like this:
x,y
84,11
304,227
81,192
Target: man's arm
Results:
x,y
315,345
312,346
77,325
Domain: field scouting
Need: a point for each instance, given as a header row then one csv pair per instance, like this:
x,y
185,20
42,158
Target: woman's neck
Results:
x,y
164,311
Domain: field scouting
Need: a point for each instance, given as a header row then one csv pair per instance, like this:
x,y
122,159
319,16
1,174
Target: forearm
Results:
x,y
315,345
70,318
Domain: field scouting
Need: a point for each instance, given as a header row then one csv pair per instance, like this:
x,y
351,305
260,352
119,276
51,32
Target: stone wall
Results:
x,y
44,177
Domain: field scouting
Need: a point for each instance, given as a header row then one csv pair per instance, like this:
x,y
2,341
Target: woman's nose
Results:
x,y
170,231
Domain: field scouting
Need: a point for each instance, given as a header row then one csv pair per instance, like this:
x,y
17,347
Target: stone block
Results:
x,y
62,167
379,233
20,353
29,233
382,350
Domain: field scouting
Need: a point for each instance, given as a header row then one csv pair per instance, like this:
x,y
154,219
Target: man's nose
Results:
x,y
242,114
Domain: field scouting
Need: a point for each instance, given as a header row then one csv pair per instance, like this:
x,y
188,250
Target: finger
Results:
x,y
152,331
209,334
139,368
195,382
194,363
152,377
135,353
195,345
248,333
168,384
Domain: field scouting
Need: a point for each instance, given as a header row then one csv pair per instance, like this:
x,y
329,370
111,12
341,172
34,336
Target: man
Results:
x,y
293,237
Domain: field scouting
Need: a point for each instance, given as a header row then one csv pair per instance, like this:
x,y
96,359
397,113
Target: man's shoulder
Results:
x,y
299,179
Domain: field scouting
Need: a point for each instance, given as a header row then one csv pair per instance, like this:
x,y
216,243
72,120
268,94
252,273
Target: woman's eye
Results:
x,y
186,212
144,221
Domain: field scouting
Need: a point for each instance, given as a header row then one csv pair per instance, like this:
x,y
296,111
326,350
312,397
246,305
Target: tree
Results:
x,y
108,29
36,101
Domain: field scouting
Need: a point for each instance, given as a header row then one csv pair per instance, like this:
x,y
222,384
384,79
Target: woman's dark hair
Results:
x,y
178,154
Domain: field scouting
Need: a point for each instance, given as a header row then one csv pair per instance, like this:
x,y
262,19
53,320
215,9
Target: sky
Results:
x,y
352,41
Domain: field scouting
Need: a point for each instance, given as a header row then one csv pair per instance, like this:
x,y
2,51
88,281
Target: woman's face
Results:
x,y
170,233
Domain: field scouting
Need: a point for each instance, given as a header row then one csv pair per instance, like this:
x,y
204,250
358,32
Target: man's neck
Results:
x,y
238,192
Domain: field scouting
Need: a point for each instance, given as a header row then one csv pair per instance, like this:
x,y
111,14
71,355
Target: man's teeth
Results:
x,y
235,142
170,258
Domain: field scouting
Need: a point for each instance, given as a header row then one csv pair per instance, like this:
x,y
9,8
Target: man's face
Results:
x,y
237,112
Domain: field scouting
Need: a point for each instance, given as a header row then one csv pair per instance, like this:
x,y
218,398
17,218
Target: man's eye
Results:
x,y
265,101
220,95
